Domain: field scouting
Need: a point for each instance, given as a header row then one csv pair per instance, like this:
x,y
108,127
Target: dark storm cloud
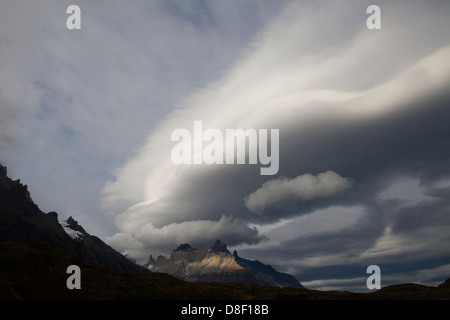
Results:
x,y
413,141
404,230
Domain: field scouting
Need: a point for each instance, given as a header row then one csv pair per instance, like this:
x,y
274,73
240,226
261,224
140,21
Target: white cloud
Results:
x,y
280,83
283,192
198,233
320,221
407,190
289,79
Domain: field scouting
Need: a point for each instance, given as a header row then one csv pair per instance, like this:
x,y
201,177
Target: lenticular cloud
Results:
x,y
311,86
283,191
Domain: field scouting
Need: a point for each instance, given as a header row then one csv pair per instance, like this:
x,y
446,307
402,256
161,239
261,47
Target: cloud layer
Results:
x,y
313,89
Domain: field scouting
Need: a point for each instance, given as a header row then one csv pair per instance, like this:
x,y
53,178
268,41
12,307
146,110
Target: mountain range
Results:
x,y
217,264
36,249
21,219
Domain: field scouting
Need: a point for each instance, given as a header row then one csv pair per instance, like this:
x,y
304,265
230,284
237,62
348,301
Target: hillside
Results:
x,y
37,271
21,219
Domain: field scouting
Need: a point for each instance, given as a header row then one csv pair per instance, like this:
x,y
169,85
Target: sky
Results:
x,y
87,116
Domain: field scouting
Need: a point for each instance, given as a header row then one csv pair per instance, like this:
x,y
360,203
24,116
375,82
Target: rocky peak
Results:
x,y
13,190
217,264
161,260
151,260
3,172
184,247
220,247
73,224
53,215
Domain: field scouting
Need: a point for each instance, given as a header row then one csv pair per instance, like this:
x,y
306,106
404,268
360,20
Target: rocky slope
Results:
x,y
217,264
21,219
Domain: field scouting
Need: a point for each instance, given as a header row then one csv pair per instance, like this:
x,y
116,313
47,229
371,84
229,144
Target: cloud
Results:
x,y
344,99
401,234
283,192
8,116
408,191
198,233
86,100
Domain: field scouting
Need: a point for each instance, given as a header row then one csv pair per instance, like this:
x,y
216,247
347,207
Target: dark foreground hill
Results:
x,y
37,271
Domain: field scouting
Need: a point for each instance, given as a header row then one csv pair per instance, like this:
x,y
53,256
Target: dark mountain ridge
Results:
x,y
21,219
259,268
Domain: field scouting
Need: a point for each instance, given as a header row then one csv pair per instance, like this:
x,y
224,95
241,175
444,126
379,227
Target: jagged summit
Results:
x,y
73,224
3,171
184,247
73,229
219,247
12,190
217,264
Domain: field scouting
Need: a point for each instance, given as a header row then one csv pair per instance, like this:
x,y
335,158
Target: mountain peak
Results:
x,y
73,224
23,220
219,247
3,171
184,247
217,264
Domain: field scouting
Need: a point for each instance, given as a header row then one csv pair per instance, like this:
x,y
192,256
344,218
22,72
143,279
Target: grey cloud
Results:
x,y
404,236
282,192
368,133
198,233
8,116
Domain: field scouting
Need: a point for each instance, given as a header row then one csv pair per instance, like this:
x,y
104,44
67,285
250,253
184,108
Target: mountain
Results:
x,y
36,249
217,264
21,219
34,270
